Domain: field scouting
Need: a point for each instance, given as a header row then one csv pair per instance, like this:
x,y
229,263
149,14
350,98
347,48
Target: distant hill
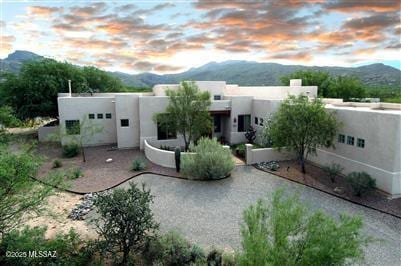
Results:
x,y
235,72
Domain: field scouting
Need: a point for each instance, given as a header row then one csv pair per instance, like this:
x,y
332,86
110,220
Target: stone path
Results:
x,y
210,213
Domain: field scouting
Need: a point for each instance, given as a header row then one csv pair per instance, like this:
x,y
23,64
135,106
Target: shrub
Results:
x,y
57,164
138,164
283,232
240,150
214,258
76,173
333,170
70,150
68,248
360,182
228,259
209,161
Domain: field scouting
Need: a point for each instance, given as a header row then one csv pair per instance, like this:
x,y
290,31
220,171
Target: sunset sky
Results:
x,y
166,37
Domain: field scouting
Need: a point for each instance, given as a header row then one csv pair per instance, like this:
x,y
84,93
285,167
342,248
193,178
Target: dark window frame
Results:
x,y
256,120
122,122
350,140
99,116
165,132
91,116
217,97
108,115
241,122
217,124
341,138
72,127
360,143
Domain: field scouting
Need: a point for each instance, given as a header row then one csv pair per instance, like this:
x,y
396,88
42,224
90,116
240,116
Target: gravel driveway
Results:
x,y
209,213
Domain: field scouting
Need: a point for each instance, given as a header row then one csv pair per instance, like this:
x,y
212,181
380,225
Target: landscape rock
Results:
x,y
338,190
270,165
109,160
83,208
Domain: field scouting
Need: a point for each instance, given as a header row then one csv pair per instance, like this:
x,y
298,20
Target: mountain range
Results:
x,y
234,72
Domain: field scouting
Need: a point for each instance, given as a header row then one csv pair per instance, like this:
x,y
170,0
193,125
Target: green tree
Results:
x,y
187,112
19,194
101,81
302,125
345,87
126,221
310,78
285,232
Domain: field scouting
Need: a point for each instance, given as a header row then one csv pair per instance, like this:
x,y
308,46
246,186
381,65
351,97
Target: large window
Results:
x,y
360,143
217,123
350,140
124,122
244,122
341,138
164,129
72,127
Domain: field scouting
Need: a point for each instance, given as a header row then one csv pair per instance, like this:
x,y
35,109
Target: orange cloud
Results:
x,y
350,6
43,11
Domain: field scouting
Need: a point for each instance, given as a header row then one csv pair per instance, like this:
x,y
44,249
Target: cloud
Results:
x,y
6,44
43,11
298,56
350,6
374,22
89,10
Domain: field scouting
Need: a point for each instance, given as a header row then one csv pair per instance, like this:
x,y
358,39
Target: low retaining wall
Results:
x,y
161,157
253,156
47,133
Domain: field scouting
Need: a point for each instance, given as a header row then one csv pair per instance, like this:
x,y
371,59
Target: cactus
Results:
x,y
177,154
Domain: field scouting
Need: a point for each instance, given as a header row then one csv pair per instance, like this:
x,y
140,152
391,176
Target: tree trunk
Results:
x,y
303,166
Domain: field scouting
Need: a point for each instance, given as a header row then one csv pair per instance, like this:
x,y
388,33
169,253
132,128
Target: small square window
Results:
x,y
360,143
217,97
91,116
256,121
350,140
261,122
341,138
108,115
99,116
124,122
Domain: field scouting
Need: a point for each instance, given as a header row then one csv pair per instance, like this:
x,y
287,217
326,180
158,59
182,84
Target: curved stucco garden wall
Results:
x,y
161,157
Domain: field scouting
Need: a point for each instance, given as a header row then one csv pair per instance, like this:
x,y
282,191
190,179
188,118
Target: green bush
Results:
x,y
138,164
333,170
68,248
228,259
209,161
360,182
57,164
240,150
76,173
70,150
172,249
215,257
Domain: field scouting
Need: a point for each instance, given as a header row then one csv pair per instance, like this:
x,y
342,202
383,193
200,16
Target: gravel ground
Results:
x,y
209,213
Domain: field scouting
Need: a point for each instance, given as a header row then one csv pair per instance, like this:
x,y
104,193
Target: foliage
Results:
x,y
138,164
76,173
310,78
57,164
68,248
172,249
126,221
70,150
228,259
345,87
333,170
283,232
250,134
19,194
187,112
33,92
210,160
240,149
7,117
214,258
361,182
302,125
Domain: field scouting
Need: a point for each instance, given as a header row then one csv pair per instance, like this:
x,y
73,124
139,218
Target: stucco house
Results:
x,y
369,139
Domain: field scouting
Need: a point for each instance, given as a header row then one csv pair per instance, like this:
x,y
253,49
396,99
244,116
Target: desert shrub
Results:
x,y
283,232
68,248
76,173
214,258
228,259
360,182
209,161
70,150
240,150
333,170
138,164
57,164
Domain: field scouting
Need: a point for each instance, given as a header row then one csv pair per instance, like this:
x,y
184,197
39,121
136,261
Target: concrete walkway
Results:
x,y
210,213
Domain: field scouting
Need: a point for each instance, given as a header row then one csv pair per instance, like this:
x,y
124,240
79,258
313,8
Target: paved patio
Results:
x,y
209,213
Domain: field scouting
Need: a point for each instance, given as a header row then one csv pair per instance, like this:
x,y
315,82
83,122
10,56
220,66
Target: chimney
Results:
x,y
69,87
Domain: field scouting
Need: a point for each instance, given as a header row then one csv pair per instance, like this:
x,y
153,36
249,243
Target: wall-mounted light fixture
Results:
x,y
235,120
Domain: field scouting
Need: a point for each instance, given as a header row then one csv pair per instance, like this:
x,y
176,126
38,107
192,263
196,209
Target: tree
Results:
x,y
19,194
285,232
187,112
126,221
310,78
345,87
302,125
101,81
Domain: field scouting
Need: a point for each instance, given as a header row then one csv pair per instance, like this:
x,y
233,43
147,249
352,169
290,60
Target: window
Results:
x,y
341,138
256,121
217,97
91,116
72,127
261,122
124,122
108,115
217,123
244,122
360,143
164,129
99,116
350,140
